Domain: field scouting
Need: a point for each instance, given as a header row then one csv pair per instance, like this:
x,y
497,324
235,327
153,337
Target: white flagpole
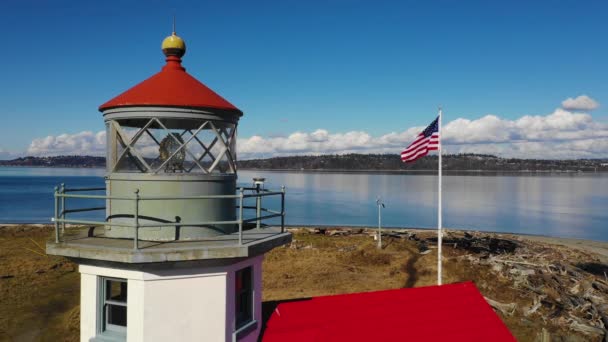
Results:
x,y
439,230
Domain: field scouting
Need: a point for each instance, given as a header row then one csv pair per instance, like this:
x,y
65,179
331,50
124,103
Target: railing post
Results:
x,y
258,206
240,216
62,208
136,220
282,208
56,216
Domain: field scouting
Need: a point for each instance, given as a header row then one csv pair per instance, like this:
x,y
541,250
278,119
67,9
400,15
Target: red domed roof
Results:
x,y
171,87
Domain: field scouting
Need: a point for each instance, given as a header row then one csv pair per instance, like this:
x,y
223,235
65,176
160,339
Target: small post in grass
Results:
x,y
380,205
56,216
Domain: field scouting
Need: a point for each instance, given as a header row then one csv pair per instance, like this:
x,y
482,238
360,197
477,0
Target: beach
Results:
x,y
541,287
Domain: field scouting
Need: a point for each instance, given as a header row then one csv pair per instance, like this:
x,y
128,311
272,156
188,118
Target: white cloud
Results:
x,y
560,134
83,143
582,102
557,126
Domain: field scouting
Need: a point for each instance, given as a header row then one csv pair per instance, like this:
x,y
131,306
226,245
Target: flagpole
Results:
x,y
439,223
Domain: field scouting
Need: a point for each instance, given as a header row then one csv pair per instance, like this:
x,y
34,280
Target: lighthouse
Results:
x,y
171,248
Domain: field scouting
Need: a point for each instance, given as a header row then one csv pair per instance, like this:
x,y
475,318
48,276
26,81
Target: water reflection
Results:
x,y
564,205
559,205
50,172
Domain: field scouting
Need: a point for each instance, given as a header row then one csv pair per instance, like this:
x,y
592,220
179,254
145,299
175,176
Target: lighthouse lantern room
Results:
x,y
170,249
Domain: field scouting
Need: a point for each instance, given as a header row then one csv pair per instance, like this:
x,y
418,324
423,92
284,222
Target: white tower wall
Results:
x,y
179,304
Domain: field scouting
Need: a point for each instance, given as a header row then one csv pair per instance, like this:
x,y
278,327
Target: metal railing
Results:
x,y
62,193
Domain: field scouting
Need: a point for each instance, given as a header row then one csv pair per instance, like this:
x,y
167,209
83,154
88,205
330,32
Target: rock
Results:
x,y
543,336
537,304
586,329
347,248
506,309
497,267
423,247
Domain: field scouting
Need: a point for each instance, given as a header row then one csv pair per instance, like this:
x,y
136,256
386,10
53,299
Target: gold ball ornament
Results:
x,y
174,46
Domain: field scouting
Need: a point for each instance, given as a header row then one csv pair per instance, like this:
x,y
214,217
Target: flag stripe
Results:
x,y
434,140
413,152
427,140
422,140
416,144
414,157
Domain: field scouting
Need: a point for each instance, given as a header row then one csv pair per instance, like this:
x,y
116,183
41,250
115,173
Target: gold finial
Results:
x,y
174,45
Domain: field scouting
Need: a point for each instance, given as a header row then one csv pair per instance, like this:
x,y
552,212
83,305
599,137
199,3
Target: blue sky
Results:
x,y
300,66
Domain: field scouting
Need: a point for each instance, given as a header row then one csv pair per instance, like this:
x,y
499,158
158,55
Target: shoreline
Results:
x,y
597,247
585,245
363,171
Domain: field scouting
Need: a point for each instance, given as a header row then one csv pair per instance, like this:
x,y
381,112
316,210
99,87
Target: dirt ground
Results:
x,y
39,294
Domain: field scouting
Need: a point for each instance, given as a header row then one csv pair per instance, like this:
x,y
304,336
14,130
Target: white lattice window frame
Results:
x,y
224,137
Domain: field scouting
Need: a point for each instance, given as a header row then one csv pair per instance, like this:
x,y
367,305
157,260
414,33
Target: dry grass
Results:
x,y
39,295
323,265
318,265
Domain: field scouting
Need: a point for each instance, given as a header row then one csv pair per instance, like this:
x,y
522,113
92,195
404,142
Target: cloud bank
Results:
x,y
561,134
582,102
83,143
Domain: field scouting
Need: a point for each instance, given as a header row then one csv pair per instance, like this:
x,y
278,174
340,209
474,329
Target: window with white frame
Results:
x,y
113,306
244,296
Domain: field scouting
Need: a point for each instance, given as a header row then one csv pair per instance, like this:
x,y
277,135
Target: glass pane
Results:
x,y
233,145
146,145
247,279
223,166
244,296
172,154
117,315
109,150
116,291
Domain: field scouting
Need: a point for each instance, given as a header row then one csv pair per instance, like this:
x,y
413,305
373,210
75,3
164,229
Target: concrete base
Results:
x,y
185,304
85,243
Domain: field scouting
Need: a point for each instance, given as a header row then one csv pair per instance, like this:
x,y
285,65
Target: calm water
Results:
x,y
558,205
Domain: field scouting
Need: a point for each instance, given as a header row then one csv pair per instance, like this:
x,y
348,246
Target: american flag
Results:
x,y
426,141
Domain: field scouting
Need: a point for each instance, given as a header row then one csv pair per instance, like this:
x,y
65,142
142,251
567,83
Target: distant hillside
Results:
x,y
59,161
390,162
360,162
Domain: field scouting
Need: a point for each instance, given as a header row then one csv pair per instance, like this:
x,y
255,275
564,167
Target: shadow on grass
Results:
x,y
412,272
268,309
594,268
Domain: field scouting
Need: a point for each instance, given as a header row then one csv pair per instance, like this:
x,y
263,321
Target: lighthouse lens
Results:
x,y
171,149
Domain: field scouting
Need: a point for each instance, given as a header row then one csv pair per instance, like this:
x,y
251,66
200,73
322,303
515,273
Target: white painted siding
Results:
x,y
185,304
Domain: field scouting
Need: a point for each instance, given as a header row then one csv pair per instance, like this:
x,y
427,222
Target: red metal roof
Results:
x,y
171,87
455,312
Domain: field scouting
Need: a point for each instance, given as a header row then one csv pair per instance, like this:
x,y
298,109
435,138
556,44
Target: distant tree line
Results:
x,y
392,162
360,162
58,161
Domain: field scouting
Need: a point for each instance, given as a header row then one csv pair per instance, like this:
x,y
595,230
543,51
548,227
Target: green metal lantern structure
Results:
x,y
171,136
